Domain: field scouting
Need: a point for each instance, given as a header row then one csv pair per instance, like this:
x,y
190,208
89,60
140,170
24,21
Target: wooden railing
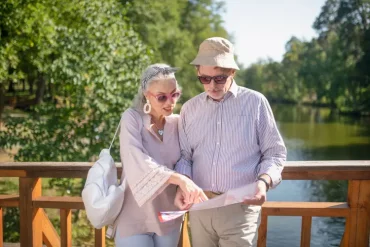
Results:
x,y
36,228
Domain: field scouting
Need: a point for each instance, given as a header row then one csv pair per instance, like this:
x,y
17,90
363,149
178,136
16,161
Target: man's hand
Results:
x,y
260,196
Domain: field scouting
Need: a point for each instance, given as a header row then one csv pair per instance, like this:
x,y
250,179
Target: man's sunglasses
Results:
x,y
218,79
162,97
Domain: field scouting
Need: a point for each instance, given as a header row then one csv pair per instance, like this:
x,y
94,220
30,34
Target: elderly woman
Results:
x,y
149,146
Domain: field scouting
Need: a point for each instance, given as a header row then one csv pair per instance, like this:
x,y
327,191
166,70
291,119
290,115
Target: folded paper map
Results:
x,y
232,196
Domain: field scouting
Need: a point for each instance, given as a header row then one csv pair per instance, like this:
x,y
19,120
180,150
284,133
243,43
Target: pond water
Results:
x,y
315,134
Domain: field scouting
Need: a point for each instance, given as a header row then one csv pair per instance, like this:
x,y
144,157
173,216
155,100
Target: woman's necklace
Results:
x,y
159,131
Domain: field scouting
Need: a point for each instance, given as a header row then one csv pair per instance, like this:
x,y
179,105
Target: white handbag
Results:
x,y
102,195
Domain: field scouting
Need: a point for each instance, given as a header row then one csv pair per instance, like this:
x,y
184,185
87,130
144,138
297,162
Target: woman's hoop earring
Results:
x,y
147,107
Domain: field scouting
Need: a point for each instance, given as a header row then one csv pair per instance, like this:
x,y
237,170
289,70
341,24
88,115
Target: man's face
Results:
x,y
214,90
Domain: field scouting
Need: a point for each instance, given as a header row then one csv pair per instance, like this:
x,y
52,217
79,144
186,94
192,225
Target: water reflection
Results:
x,y
316,134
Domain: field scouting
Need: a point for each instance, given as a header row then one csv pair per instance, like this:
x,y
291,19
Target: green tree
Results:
x,y
28,35
350,19
332,69
91,63
175,29
84,58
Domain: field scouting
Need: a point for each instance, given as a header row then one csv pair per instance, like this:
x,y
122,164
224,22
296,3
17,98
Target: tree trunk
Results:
x,y
11,88
2,98
361,10
31,82
41,86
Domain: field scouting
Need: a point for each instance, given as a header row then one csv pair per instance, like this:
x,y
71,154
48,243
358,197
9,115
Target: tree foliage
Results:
x,y
88,58
332,69
174,30
80,62
90,68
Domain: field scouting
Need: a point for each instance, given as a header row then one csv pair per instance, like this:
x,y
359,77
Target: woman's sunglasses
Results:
x,y
162,97
218,79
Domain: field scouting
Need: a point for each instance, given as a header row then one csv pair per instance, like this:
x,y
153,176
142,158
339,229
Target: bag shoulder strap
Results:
x,y
119,124
115,134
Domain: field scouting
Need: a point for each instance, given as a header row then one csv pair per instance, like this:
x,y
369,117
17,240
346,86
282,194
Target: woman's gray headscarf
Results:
x,y
156,72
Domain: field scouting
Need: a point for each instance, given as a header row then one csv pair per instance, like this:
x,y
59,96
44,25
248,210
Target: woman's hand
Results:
x,y
180,200
190,191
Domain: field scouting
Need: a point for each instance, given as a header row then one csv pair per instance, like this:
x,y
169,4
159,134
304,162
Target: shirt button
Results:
x,y
213,185
214,163
218,143
218,122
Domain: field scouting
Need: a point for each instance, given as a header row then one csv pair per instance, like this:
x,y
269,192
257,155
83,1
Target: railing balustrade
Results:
x,y
36,228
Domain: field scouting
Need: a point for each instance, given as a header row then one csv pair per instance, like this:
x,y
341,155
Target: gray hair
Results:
x,y
154,72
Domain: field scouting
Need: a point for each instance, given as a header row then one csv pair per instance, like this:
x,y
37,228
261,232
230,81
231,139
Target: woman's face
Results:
x,y
162,95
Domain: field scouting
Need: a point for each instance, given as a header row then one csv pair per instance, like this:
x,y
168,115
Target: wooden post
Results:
x,y
184,240
50,237
30,218
66,227
1,227
306,231
100,237
358,224
262,230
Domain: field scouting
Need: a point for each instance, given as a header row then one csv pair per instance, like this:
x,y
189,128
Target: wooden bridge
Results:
x,y
37,230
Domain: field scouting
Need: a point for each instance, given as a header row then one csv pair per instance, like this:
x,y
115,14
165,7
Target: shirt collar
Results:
x,y
233,90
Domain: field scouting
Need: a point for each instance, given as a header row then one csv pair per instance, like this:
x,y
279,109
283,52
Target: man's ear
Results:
x,y
233,73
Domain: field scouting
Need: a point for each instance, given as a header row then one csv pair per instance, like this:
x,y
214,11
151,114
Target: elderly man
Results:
x,y
228,138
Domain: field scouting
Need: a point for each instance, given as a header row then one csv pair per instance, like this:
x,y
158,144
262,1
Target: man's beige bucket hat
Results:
x,y
216,51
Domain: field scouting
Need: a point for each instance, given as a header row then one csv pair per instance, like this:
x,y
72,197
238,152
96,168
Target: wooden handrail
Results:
x,y
293,170
62,202
36,228
9,201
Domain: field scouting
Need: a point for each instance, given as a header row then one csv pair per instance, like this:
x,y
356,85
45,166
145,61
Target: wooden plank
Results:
x,y
306,231
57,174
1,228
100,237
301,170
353,196
29,166
262,231
332,165
7,201
62,202
352,227
323,209
345,238
12,173
45,169
30,218
362,233
184,240
50,236
363,228
66,227
326,175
